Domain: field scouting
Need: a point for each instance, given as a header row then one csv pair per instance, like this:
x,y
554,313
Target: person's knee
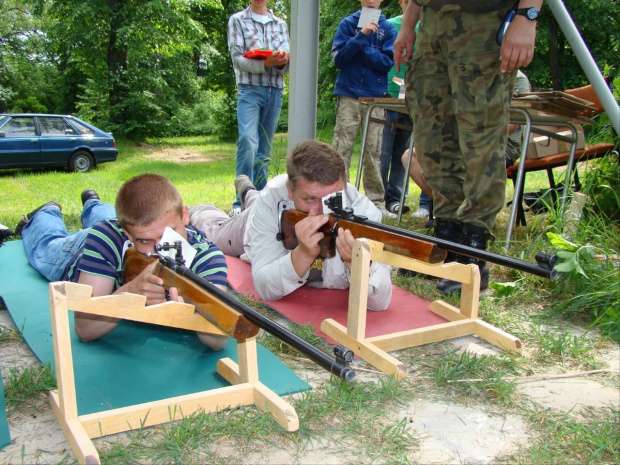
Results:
x,y
214,342
405,158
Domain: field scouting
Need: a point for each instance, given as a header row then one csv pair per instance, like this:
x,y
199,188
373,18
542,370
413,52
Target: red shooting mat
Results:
x,y
258,54
309,305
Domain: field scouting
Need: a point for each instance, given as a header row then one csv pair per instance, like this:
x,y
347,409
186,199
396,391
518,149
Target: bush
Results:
x,y
28,105
201,119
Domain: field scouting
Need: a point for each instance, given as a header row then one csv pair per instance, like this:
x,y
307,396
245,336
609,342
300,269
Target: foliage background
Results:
x,y
143,68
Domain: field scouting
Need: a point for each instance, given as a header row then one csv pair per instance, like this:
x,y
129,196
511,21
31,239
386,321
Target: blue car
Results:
x,y
29,140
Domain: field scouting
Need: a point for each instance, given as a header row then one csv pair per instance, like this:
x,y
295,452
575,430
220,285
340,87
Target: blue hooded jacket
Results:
x,y
363,61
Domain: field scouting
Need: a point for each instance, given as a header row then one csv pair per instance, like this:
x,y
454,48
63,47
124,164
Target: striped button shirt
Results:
x,y
102,255
244,34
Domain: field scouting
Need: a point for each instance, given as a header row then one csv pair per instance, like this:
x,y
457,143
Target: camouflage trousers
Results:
x,y
348,120
459,102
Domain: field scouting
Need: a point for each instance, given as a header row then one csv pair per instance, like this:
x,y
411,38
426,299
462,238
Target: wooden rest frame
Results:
x,y
246,389
462,321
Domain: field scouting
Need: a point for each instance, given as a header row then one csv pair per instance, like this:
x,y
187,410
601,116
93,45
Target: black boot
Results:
x,y
477,238
448,230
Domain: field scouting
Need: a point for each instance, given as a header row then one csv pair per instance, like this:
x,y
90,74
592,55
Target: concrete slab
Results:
x,y
571,394
452,433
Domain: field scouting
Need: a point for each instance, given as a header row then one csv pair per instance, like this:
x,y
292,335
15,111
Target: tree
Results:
x,y
555,65
135,59
27,73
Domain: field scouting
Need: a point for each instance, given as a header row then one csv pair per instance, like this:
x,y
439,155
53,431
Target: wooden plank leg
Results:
x,y
422,336
367,351
263,397
447,311
358,290
63,354
248,360
76,434
497,337
147,414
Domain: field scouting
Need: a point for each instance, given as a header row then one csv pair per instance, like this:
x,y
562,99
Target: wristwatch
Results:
x,y
529,13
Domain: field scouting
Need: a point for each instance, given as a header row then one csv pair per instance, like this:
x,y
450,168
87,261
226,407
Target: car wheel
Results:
x,y
81,161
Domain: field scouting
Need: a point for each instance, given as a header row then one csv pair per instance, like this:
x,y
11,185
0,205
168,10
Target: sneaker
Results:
x,y
242,184
421,213
234,212
87,195
26,218
5,233
387,214
396,206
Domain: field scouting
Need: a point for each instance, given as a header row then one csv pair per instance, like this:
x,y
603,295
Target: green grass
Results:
x,y
24,388
562,439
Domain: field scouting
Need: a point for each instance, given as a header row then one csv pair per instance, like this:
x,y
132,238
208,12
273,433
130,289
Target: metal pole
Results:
x,y
303,70
586,61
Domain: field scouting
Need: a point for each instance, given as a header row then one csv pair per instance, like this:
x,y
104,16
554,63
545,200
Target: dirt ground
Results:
x,y
449,432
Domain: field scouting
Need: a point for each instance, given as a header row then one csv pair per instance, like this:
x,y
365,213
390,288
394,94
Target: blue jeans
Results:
x,y
258,110
395,142
425,201
50,247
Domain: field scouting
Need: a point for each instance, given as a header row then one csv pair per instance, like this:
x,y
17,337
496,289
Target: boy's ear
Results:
x,y
128,234
290,190
185,214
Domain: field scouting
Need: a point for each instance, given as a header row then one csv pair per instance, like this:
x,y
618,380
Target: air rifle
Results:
x,y
401,241
226,312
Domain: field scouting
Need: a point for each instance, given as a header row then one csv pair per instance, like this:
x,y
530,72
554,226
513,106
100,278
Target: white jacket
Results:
x,y
272,267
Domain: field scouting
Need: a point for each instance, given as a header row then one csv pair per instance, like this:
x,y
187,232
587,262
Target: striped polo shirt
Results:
x,y
101,255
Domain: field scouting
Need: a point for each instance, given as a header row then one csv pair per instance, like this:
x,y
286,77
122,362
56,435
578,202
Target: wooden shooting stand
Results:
x,y
246,389
462,321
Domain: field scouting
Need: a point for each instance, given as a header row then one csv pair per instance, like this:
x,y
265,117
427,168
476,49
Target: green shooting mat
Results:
x,y
5,437
136,362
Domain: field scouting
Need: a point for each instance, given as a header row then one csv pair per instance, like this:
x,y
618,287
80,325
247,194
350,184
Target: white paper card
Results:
x,y
170,236
326,209
369,15
401,83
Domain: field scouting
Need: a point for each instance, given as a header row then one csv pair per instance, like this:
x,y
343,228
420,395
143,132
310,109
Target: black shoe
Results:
x,y
26,218
88,194
5,233
448,230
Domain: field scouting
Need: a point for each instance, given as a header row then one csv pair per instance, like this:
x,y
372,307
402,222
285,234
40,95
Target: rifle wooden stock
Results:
x,y
414,248
229,320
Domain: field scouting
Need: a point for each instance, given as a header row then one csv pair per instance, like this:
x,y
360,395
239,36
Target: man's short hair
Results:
x,y
314,161
146,198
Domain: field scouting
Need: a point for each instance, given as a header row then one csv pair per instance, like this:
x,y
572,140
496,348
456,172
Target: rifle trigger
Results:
x,y
334,230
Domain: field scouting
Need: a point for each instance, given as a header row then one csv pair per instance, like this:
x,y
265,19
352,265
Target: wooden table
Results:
x,y
536,110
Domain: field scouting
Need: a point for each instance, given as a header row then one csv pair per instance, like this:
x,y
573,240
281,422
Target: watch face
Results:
x,y
532,13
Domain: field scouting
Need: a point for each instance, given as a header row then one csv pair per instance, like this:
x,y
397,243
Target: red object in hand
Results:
x,y
258,54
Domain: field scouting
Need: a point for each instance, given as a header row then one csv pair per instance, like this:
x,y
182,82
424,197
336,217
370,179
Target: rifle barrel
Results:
x,y
331,364
521,265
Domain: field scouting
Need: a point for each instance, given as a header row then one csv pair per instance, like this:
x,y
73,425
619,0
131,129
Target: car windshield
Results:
x,y
55,126
20,126
83,130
